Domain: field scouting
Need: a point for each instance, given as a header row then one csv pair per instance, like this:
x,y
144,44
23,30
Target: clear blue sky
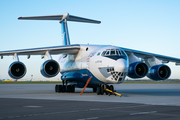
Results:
x,y
147,25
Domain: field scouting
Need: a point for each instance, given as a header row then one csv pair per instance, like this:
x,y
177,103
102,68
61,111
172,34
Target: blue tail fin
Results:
x,y
65,33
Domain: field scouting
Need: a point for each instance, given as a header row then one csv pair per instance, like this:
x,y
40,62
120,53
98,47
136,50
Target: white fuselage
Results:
x,y
110,68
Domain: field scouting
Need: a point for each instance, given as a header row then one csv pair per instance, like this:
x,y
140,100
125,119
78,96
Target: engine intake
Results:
x,y
17,70
50,68
159,72
137,70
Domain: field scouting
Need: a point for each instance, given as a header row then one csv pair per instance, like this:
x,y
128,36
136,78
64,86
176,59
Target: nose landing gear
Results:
x,y
102,89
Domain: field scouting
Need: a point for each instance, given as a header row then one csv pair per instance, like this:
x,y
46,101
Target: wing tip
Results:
x,y
19,17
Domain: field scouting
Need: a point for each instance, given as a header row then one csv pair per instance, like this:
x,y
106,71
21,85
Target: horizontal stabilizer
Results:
x,y
60,18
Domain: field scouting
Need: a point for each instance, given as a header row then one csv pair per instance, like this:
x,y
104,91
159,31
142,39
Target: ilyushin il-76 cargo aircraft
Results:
x,y
101,64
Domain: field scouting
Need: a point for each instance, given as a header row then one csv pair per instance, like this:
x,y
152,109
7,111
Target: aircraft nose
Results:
x,y
121,65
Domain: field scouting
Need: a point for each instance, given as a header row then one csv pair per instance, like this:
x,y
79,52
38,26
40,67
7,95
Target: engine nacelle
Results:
x,y
159,72
137,70
50,68
17,70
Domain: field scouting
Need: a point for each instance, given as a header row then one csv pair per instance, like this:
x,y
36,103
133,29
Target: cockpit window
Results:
x,y
123,53
107,53
112,52
103,53
117,53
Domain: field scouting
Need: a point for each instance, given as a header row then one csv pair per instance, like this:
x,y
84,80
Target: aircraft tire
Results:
x,y
59,88
63,88
107,86
94,89
102,89
56,89
111,88
69,88
98,90
72,88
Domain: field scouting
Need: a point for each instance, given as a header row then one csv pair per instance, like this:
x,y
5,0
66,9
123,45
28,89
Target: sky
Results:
x,y
146,25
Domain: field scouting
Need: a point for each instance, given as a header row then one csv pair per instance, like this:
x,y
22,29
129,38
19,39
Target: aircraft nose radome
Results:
x,y
121,65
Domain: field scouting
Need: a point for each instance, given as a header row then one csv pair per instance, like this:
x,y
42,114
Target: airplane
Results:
x,y
103,65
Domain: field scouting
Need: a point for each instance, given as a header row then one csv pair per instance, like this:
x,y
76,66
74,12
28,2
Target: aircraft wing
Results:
x,y
145,55
71,49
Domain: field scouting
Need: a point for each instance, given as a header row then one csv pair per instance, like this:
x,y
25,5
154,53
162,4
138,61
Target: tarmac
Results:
x,y
138,101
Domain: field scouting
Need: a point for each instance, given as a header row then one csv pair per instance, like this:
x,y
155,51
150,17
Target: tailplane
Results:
x,y
63,20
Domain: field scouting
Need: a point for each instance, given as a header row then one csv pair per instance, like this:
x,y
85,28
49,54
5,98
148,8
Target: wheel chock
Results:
x,y
113,92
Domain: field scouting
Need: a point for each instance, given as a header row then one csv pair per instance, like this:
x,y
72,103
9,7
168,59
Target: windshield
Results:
x,y
111,52
114,54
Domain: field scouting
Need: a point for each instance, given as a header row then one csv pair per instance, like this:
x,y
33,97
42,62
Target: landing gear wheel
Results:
x,y
94,89
107,87
56,88
59,88
102,89
98,90
69,88
63,88
72,88
111,88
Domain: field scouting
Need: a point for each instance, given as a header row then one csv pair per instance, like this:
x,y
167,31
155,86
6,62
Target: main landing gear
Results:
x,y
101,89
65,88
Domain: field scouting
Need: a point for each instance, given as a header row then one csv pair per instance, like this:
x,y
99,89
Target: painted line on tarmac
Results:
x,y
142,113
92,118
32,106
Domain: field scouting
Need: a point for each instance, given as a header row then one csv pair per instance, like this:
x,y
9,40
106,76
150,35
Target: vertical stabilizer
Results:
x,y
64,30
63,20
65,33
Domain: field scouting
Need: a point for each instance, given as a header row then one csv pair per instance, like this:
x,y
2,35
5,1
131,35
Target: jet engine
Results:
x,y
159,72
17,70
50,68
137,70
